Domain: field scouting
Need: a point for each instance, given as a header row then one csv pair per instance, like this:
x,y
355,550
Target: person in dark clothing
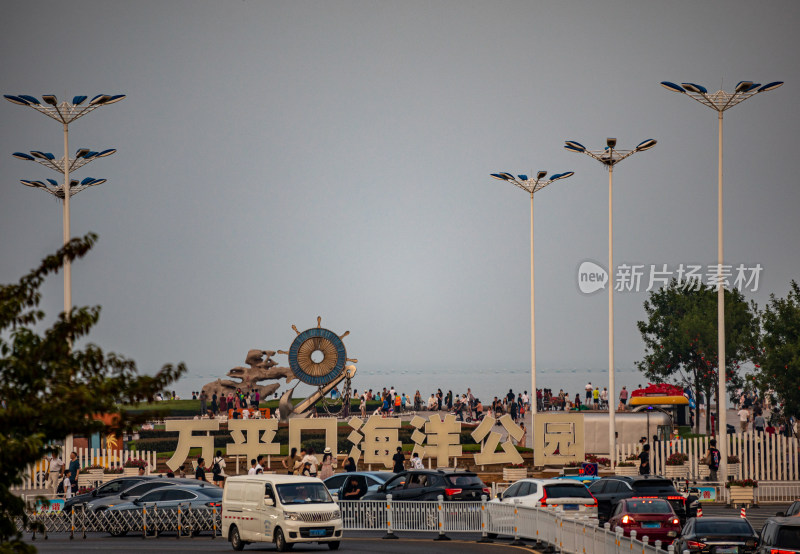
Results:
x,y
200,472
350,465
644,460
712,459
399,460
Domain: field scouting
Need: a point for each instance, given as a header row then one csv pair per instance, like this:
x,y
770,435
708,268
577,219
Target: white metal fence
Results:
x,y
763,457
36,475
545,527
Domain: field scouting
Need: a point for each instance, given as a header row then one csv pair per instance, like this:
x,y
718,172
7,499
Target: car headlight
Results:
x,y
336,515
291,515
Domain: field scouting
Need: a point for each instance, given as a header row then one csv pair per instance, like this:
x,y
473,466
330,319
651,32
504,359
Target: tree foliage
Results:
x,y
780,355
680,336
50,389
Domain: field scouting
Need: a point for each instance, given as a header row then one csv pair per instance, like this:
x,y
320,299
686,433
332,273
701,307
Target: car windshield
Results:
x,y
654,486
788,537
727,527
304,493
464,480
648,507
566,490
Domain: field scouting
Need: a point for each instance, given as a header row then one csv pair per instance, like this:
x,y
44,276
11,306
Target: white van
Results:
x,y
284,509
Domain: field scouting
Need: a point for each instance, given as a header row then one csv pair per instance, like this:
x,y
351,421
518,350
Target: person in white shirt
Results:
x,y
311,459
67,485
253,466
432,403
56,469
744,417
416,462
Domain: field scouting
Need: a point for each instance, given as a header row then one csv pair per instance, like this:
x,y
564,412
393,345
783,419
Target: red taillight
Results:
x,y
628,520
676,521
594,502
543,500
214,504
780,551
452,492
695,544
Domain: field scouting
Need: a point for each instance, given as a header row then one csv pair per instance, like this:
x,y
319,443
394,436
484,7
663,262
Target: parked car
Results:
x,y
113,487
368,481
792,510
717,535
194,496
780,535
135,491
284,509
429,484
562,494
653,517
610,490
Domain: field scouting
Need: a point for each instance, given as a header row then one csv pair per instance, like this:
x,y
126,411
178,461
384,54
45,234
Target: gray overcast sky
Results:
x,y
283,160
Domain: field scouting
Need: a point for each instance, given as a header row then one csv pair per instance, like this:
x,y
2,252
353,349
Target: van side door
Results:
x,y
269,513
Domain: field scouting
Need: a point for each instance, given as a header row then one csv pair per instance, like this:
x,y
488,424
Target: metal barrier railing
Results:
x,y
545,526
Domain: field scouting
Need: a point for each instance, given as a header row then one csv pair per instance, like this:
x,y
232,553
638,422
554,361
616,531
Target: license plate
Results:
x,y
316,533
654,525
726,550
570,506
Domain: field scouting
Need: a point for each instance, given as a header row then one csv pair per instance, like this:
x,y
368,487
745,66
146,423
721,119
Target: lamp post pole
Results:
x,y
532,186
610,157
65,113
721,101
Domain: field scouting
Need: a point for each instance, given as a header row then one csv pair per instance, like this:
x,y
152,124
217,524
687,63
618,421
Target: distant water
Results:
x,y
485,384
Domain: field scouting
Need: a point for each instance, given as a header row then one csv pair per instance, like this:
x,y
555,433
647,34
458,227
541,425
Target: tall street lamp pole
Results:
x,y
610,157
531,186
720,101
65,113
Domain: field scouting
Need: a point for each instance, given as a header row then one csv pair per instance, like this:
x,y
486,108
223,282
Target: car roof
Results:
x,y
789,521
271,478
548,481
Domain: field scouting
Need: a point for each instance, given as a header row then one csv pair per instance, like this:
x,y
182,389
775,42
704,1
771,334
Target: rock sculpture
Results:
x,y
262,368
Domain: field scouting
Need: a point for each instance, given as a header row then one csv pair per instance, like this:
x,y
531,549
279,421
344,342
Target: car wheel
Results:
x,y
491,536
236,540
334,545
280,541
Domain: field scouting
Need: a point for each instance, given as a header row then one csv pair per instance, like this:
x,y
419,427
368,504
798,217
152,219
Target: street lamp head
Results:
x,y
78,100
692,87
770,86
29,183
541,175
108,152
41,155
16,100
53,182
23,156
574,146
564,175
743,86
611,142
82,152
99,99
672,86
50,99
645,145
114,98
523,177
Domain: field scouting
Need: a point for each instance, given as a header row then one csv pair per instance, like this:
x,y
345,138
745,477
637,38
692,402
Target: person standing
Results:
x,y
759,423
203,403
644,460
56,470
596,397
214,405
623,396
290,461
312,461
328,464
524,438
399,460
74,469
588,389
416,462
712,459
67,485
218,469
363,405
200,472
744,418
604,398
350,465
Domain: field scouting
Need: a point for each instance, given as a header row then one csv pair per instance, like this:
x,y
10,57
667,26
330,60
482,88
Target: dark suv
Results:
x,y
429,484
610,490
780,534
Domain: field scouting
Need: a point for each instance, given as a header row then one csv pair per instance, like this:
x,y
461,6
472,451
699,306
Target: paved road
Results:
x,y
756,516
421,542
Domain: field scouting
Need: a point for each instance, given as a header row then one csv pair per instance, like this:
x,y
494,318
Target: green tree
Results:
x,y
780,356
49,389
680,337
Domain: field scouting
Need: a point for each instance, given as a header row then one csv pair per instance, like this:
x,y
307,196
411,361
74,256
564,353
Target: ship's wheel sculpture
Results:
x,y
318,357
